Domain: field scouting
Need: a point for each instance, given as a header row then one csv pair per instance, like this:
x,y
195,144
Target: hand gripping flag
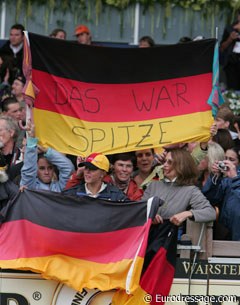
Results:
x,y
113,100
82,242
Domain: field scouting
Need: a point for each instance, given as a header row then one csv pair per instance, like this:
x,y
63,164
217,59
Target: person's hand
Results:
x,y
235,35
42,149
22,188
30,129
231,171
213,129
157,219
179,218
80,159
215,169
160,158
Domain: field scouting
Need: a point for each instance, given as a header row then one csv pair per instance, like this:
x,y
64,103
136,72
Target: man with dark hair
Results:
x,y
230,53
13,48
11,107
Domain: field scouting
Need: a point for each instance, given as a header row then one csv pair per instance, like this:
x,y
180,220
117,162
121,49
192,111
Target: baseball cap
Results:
x,y
96,161
81,29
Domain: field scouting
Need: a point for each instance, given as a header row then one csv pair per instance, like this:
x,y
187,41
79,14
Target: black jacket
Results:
x,y
111,192
8,190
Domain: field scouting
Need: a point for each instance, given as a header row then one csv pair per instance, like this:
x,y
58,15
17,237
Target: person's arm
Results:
x,y
200,207
225,44
29,169
77,177
229,36
74,180
179,218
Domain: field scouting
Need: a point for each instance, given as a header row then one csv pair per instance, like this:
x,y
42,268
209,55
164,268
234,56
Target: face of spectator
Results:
x,y
93,176
145,159
14,111
144,44
220,123
123,170
232,156
6,135
17,88
16,37
45,171
60,35
203,165
168,170
84,38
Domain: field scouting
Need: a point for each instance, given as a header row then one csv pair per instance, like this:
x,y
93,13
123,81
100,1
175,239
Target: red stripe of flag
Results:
x,y
39,241
123,102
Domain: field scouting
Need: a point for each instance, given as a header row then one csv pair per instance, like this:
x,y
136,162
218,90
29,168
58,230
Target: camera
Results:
x,y
222,166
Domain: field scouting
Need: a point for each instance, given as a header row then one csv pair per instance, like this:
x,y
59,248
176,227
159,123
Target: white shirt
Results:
x,y
90,194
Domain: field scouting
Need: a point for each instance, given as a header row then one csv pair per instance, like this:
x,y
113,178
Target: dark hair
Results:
x,y
18,26
21,78
184,166
236,149
184,39
223,138
148,39
8,101
123,157
152,150
56,31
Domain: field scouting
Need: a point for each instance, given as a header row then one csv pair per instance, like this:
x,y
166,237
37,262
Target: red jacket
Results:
x,y
133,192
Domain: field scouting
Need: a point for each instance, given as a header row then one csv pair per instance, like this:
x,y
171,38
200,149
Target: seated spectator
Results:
x,y
181,198
146,42
95,168
8,189
38,169
59,33
223,189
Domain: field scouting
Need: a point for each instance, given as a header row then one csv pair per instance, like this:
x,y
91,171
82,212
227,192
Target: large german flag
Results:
x,y
115,100
82,242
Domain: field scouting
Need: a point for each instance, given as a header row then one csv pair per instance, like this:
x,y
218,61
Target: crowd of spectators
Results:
x,y
193,180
